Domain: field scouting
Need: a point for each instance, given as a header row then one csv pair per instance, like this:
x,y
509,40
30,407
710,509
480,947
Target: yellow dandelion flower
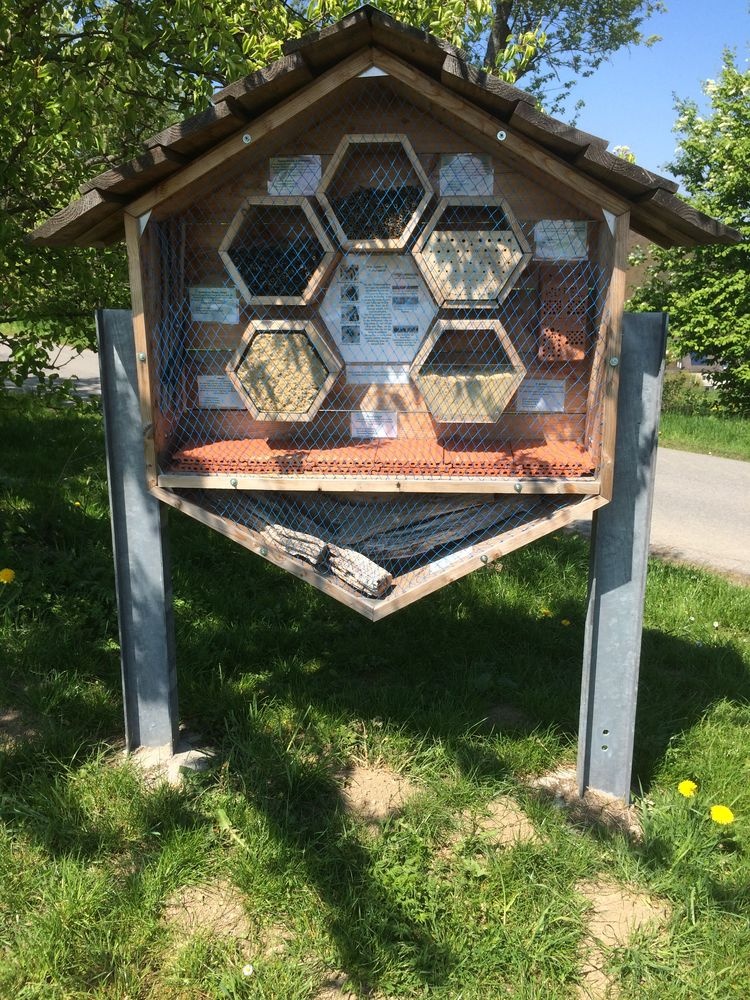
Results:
x,y
77,503
545,613
687,788
722,815
565,621
7,575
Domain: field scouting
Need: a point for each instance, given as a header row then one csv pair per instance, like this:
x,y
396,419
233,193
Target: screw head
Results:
x,y
247,138
502,135
263,550
232,482
517,487
614,362
141,356
484,558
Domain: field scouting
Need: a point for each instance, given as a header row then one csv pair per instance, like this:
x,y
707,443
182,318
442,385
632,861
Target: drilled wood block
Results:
x,y
472,251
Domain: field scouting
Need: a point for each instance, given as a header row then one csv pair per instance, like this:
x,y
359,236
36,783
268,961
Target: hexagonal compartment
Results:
x,y
467,370
374,191
283,369
276,250
471,251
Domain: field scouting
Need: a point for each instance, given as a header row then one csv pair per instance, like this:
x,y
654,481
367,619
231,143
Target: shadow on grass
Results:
x,y
434,671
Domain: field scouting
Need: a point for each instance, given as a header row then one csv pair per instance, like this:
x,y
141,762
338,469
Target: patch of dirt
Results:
x,y
13,729
593,809
505,823
215,909
168,763
335,988
374,793
507,717
617,912
501,823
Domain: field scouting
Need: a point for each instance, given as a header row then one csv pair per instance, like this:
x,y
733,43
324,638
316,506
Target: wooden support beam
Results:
x,y
372,484
460,114
267,123
144,361
613,311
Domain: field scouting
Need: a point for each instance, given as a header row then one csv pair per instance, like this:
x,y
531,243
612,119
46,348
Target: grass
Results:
x,y
291,687
728,437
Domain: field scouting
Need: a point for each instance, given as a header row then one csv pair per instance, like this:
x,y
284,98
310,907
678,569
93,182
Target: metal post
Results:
x,y
617,574
142,574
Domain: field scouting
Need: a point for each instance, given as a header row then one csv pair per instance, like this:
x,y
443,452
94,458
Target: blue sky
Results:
x,y
630,100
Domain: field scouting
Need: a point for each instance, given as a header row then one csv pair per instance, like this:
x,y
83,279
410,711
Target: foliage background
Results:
x,y
86,82
706,291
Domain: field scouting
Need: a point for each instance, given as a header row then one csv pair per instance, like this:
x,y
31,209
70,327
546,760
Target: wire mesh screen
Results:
x,y
378,304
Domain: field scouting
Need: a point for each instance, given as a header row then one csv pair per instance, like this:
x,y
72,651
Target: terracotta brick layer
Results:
x,y
558,459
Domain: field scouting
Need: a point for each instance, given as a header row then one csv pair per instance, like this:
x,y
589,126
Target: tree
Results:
x,y
547,45
82,85
706,290
84,82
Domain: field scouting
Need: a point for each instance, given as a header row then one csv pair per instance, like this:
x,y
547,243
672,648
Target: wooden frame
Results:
x,y
345,482
134,228
439,328
319,274
465,117
610,356
328,355
422,252
387,138
463,563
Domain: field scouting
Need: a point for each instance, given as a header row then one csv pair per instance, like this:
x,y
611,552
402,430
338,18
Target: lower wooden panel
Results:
x,y
407,589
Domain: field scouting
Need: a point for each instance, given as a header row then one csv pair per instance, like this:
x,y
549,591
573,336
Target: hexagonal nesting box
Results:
x,y
276,250
374,191
283,369
467,370
471,251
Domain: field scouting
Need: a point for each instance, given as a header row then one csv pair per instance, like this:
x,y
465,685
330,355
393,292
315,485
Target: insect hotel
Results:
x,y
377,300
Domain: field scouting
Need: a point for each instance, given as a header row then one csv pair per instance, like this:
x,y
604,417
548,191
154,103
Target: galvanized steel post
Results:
x,y
617,574
142,573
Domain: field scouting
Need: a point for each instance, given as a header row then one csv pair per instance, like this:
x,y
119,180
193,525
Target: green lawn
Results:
x,y
708,435
107,882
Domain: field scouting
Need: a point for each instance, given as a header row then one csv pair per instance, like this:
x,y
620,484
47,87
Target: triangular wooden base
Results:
x,y
407,588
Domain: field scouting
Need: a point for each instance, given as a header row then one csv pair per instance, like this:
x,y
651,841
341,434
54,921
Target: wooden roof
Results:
x,y
96,217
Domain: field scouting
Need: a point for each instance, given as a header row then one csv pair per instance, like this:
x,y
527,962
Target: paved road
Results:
x,y
85,366
702,511
701,504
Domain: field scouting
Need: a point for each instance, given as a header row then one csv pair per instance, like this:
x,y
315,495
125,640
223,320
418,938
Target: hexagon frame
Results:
x,y
317,278
328,355
373,138
489,413
441,291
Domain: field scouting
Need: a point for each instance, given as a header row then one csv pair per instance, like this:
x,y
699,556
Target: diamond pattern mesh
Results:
x,y
377,304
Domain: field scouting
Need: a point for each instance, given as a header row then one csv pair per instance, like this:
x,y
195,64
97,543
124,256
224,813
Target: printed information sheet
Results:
x,y
541,395
561,239
216,392
294,175
378,309
214,305
374,424
466,173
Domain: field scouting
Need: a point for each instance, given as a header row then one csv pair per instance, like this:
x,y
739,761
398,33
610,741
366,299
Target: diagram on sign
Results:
x,y
378,310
